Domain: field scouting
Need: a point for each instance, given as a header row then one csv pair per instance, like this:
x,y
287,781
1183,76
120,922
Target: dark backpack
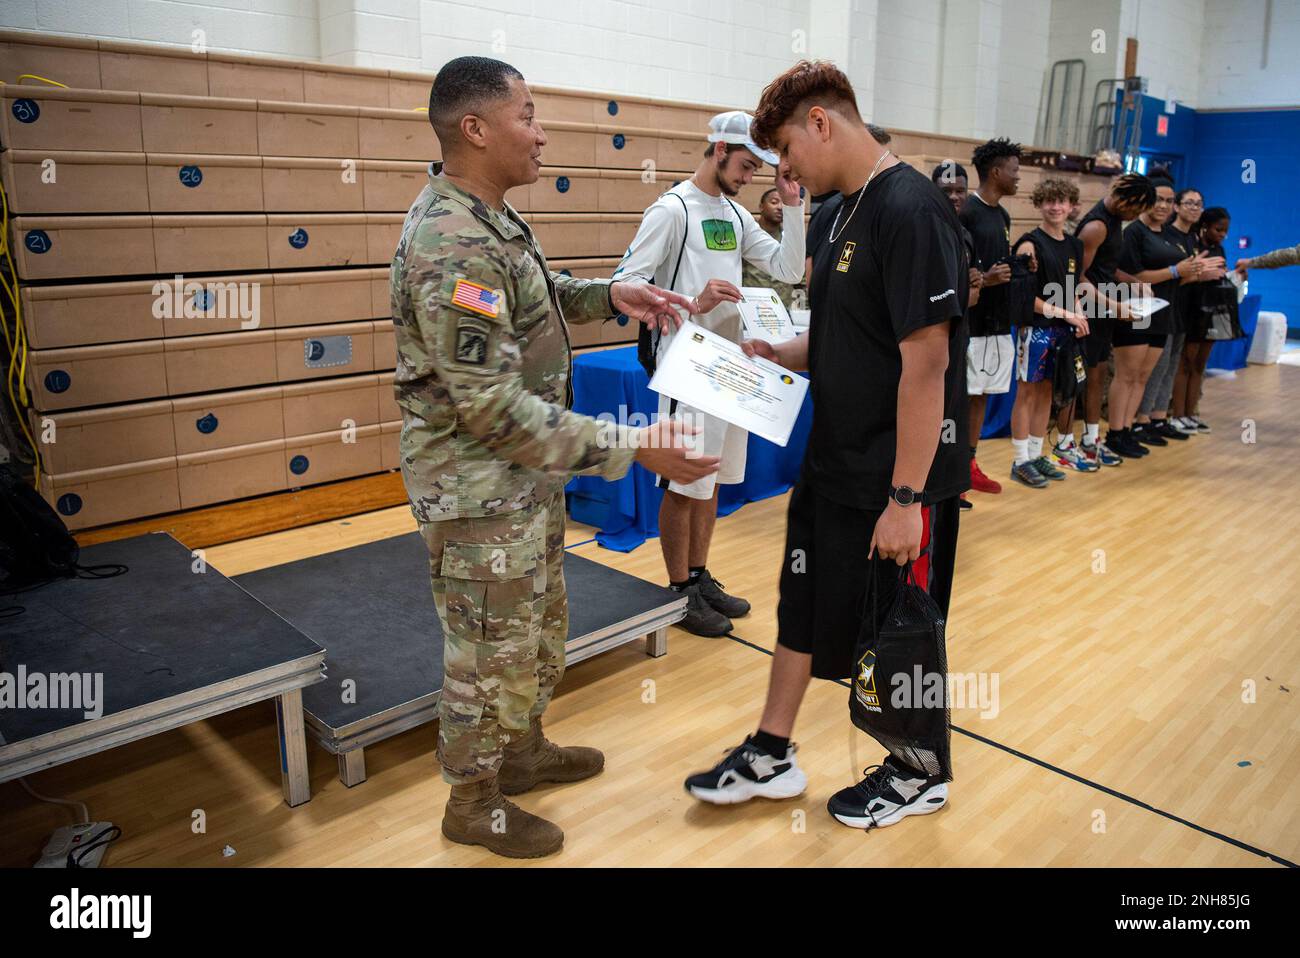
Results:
x,y
35,545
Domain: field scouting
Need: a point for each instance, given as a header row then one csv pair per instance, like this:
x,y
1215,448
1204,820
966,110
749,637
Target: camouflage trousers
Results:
x,y
498,583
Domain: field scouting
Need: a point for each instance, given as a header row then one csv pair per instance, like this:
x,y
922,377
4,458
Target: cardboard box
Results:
x,y
91,313
225,419
307,129
221,475
198,124
110,436
96,497
198,364
190,183
52,118
62,181
328,405
61,247
208,243
302,185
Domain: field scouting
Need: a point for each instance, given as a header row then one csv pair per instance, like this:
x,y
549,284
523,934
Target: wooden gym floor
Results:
x,y
1122,734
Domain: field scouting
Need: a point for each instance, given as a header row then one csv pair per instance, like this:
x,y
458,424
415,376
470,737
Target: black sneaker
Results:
x,y
728,605
1125,445
888,794
1144,434
702,618
1162,427
749,772
1027,474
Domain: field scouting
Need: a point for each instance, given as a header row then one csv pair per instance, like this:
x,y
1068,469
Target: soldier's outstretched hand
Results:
x,y
651,305
662,448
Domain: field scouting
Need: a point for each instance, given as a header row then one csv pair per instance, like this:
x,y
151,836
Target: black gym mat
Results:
x,y
372,609
157,631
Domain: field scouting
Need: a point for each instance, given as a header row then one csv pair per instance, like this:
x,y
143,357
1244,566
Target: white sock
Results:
x,y
1090,432
1066,441
1035,446
1020,451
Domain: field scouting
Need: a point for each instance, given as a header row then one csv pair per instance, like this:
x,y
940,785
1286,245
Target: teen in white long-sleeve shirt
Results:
x,y
695,240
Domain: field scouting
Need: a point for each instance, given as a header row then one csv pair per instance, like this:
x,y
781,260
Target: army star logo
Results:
x,y
471,345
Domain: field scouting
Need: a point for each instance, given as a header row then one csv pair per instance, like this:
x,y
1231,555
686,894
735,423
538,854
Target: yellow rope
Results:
x,y
33,76
17,345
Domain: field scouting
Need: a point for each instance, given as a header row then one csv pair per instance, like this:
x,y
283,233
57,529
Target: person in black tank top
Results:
x,y
1152,258
1210,232
1152,415
1099,230
1058,266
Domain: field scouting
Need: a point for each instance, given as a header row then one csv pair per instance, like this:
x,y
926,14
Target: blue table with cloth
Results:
x,y
626,512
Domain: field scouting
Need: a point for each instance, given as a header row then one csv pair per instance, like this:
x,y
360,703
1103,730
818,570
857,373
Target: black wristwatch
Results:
x,y
904,495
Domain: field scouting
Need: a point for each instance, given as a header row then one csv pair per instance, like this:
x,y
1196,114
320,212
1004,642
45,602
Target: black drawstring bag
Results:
x,y
1069,373
899,690
1219,314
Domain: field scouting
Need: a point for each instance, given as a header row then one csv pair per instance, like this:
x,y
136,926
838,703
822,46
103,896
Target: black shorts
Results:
x,y
1126,335
825,574
1096,345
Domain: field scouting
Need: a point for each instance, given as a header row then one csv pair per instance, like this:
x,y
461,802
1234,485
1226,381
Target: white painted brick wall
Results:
x,y
1232,49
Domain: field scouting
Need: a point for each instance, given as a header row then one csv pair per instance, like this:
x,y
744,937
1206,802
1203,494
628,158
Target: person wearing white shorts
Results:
x,y
695,240
717,437
990,361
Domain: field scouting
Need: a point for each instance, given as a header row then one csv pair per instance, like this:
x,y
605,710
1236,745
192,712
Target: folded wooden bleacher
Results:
x,y
202,243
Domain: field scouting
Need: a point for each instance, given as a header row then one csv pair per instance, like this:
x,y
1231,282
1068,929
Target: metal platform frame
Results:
x,y
283,682
348,742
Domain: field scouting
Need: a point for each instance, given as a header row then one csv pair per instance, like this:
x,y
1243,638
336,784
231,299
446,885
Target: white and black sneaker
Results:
x,y
887,795
749,772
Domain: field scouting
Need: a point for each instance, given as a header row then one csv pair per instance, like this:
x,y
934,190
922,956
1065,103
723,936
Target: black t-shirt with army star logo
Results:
x,y
990,228
1060,271
895,266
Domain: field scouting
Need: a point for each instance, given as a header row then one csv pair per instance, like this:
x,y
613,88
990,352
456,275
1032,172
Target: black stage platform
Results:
x,y
372,609
168,645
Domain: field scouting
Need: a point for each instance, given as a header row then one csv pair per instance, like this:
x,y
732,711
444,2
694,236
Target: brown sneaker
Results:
x,y
478,814
532,760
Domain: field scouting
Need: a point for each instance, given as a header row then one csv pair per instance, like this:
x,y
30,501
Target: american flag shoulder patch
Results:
x,y
476,298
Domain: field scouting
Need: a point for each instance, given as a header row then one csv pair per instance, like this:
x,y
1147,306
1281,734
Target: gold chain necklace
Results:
x,y
861,193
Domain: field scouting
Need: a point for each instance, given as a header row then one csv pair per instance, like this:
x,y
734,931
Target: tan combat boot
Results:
x,y
532,760
478,814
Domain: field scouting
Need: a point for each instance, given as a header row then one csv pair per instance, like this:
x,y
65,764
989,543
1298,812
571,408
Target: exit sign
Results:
x,y
1162,125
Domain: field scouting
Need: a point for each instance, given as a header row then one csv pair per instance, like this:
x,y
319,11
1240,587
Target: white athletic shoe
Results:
x,y
888,794
749,772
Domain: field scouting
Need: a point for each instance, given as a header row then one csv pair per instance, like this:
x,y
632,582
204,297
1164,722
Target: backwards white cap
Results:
x,y
733,127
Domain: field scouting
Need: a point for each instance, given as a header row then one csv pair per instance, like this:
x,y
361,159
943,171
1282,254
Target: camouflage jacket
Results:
x,y
483,362
751,275
1286,256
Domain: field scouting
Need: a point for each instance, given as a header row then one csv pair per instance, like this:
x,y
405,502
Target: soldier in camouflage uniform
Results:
x,y
769,216
488,443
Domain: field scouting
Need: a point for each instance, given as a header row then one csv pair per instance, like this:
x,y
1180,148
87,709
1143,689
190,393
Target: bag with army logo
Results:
x,y
899,688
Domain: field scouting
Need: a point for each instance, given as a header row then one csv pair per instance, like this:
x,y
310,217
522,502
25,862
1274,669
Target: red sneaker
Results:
x,y
980,482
